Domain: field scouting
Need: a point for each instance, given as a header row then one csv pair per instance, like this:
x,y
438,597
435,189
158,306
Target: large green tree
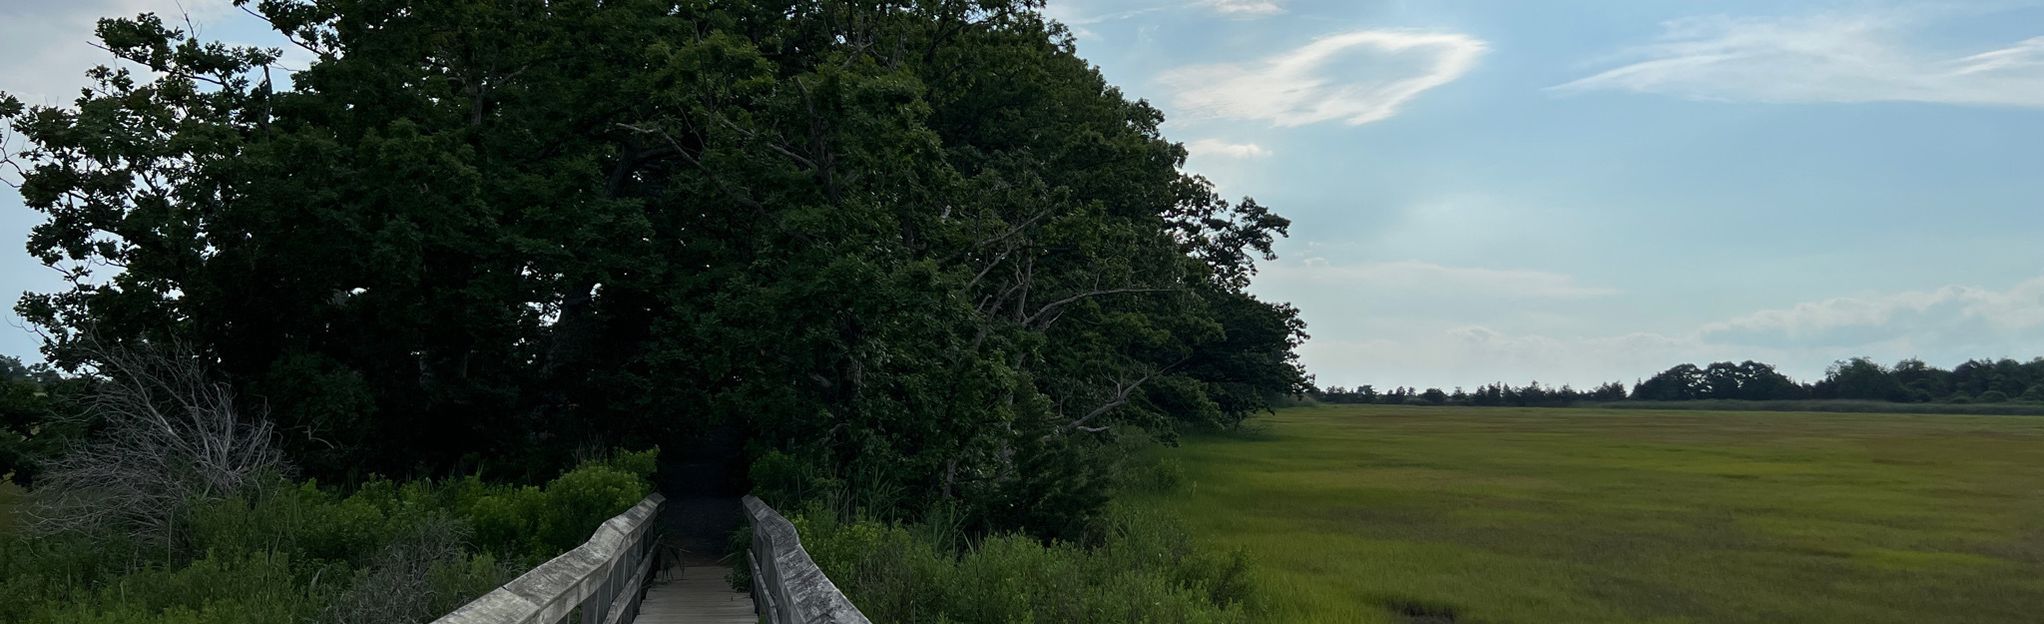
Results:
x,y
921,246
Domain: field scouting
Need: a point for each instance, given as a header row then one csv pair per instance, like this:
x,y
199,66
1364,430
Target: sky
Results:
x,y
1574,192
1564,191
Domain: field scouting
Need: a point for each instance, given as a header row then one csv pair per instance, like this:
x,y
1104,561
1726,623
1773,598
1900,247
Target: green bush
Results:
x,y
1145,570
1151,472
538,523
297,552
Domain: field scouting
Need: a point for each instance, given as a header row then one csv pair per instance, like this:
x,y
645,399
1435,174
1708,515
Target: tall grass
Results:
x,y
1397,515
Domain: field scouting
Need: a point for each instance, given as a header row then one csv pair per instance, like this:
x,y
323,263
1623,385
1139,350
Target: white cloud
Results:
x,y
1944,326
1077,14
1223,149
1473,355
1826,58
1413,276
1065,14
1952,315
1245,7
1358,78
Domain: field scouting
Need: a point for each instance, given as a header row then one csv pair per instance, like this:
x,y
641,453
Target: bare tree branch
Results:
x,y
1055,305
1119,396
170,436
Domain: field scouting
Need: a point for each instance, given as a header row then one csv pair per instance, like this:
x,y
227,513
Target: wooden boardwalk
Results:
x,y
695,594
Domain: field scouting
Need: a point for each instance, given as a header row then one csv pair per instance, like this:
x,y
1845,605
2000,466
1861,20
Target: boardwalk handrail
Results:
x,y
787,587
604,578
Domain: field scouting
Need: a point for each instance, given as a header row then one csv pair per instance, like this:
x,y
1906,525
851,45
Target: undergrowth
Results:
x,y
1138,566
297,552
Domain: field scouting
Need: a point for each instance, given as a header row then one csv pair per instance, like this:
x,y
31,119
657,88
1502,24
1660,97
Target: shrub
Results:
x,y
297,552
780,476
1993,396
1145,570
1152,474
537,523
214,589
404,581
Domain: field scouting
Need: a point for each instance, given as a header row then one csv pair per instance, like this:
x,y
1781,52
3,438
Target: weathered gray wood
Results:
x,y
604,581
786,583
697,594
625,607
592,577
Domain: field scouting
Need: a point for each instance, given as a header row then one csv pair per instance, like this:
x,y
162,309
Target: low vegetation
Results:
x,y
380,553
1144,568
1403,514
1124,564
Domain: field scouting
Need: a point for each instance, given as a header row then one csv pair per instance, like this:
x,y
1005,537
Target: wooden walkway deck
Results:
x,y
695,594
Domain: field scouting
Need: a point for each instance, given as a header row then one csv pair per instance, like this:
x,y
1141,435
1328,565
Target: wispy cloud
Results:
x,y
1866,57
1223,149
1357,78
1077,16
1953,315
1943,325
1469,355
1256,8
1413,276
1064,13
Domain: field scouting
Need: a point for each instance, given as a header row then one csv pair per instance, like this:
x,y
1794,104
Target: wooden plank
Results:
x,y
696,594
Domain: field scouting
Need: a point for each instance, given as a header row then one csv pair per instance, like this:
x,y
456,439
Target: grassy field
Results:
x,y
1435,514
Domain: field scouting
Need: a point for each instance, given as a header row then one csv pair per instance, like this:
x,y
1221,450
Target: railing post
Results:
x,y
787,586
601,579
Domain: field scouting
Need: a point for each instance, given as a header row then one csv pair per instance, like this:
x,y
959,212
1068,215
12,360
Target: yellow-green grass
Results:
x,y
1440,514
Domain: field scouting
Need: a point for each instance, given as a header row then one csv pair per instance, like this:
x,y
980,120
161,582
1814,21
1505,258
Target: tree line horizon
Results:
x,y
1910,380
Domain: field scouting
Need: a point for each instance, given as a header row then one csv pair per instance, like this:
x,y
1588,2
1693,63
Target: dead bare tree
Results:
x,y
168,436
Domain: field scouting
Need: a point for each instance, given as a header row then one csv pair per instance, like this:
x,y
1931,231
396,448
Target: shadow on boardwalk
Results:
x,y
703,480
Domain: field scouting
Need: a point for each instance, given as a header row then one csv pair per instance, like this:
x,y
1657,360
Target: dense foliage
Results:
x,y
296,552
1147,570
37,417
1857,379
918,246
1135,565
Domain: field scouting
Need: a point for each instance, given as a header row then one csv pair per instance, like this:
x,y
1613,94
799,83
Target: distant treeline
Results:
x,y
1908,381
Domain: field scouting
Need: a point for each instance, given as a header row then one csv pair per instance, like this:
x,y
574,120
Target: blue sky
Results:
x,y
1562,191
1581,191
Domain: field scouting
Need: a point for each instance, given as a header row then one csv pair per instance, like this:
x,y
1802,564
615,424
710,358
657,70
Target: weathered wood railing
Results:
x,y
787,587
602,580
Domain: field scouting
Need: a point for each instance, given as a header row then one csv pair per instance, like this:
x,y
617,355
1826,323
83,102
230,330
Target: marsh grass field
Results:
x,y
1445,514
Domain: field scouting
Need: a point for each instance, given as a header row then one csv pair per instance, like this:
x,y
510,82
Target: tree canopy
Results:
x,y
917,246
